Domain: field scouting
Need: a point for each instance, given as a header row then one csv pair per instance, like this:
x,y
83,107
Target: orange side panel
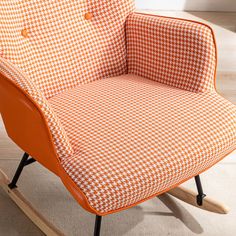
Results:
x,y
24,124
27,127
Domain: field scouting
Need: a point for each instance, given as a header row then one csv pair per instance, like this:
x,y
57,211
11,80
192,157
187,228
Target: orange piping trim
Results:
x,y
166,190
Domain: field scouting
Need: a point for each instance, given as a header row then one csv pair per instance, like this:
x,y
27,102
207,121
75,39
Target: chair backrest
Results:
x,y
61,44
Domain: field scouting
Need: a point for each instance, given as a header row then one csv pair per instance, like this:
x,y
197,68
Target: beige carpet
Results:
x,y
159,216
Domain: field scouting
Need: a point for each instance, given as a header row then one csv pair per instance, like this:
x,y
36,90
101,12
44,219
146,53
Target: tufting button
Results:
x,y
24,33
88,16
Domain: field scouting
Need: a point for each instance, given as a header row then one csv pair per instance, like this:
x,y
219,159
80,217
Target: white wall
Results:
x,y
188,5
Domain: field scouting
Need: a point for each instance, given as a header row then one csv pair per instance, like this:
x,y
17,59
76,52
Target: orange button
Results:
x,y
24,33
88,16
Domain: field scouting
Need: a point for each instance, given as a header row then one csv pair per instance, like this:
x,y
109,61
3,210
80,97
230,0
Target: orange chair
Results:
x,y
120,105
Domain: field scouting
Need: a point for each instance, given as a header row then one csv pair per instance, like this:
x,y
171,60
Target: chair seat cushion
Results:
x,y
135,138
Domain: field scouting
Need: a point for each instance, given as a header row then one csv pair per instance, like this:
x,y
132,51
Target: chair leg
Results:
x,y
200,195
24,161
97,226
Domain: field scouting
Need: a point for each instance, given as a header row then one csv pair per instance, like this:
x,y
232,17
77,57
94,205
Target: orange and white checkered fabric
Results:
x,y
135,137
62,49
125,138
172,51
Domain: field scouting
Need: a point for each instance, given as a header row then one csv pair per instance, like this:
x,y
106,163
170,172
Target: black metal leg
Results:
x,y
24,161
97,226
200,195
29,161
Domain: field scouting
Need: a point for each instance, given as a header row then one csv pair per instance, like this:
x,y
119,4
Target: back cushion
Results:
x,y
53,43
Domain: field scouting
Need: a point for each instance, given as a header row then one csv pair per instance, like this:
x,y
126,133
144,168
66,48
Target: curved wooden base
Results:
x,y
42,223
189,197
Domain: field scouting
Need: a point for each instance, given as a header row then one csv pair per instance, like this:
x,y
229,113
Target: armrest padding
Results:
x,y
176,52
16,105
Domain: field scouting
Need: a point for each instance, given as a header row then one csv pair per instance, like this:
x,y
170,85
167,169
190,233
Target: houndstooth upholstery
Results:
x,y
123,139
176,52
135,137
63,49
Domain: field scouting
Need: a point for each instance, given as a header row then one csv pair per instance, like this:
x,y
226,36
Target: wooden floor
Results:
x,y
163,216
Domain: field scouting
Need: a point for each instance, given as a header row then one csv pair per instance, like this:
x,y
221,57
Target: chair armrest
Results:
x,y
176,52
28,117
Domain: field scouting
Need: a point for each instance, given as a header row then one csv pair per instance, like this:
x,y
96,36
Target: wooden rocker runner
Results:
x,y
120,105
42,223
46,227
